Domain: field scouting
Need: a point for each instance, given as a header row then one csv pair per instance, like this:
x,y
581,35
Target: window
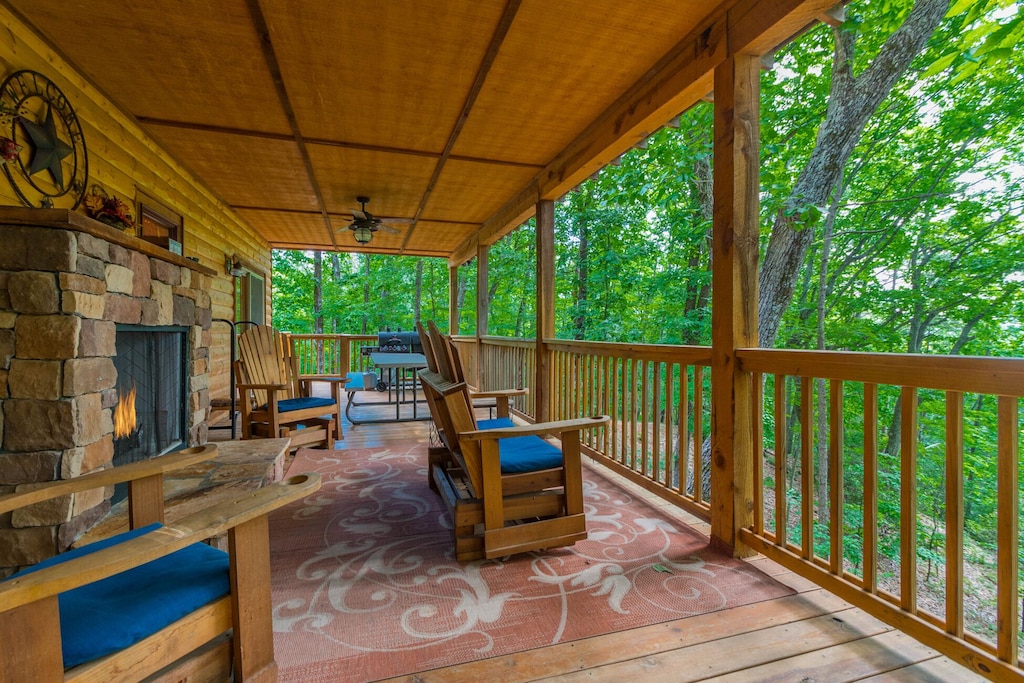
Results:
x,y
159,224
250,298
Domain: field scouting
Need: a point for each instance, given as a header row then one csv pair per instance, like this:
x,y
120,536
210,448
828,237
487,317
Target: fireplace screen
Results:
x,y
150,415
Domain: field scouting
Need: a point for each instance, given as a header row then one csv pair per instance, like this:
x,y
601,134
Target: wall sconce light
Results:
x,y
232,266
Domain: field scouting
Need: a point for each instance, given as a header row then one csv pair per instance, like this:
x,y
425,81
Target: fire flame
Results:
x,y
124,414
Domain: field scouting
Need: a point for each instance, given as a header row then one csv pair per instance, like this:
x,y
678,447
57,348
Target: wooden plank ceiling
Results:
x,y
453,117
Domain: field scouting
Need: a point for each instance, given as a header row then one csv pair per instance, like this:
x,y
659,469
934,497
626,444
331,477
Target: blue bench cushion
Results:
x,y
109,615
522,453
289,404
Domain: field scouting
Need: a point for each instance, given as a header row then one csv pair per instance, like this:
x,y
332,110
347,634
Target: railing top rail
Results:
x,y
368,337
974,374
691,355
509,341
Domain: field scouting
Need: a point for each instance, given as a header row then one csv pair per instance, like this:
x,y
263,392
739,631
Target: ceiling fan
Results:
x,y
364,223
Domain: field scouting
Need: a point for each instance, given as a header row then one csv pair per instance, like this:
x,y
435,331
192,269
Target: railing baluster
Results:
x,y
619,409
781,481
632,413
670,386
698,433
757,417
870,488
656,425
908,499
683,462
954,521
1008,572
835,476
807,467
645,402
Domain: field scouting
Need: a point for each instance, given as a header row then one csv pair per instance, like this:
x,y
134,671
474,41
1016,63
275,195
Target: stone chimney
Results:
x,y
66,282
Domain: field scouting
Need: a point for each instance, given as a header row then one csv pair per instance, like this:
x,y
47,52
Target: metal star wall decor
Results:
x,y
48,150
44,135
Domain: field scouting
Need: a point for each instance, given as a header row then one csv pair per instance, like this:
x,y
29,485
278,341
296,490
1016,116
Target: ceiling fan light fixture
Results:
x,y
363,234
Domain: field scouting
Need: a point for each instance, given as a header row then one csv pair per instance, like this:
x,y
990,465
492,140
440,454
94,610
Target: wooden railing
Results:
x,y
903,406
657,396
331,354
501,363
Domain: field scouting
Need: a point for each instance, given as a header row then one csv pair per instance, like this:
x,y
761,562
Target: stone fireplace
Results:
x,y
84,311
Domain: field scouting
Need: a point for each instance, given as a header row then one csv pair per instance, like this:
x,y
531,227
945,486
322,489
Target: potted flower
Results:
x,y
108,209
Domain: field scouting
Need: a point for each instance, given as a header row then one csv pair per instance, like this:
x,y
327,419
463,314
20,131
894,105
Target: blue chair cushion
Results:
x,y
522,453
114,613
289,404
527,454
496,423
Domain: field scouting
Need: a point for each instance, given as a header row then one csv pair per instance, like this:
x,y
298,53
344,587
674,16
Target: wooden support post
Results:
x,y
453,299
545,306
483,307
734,295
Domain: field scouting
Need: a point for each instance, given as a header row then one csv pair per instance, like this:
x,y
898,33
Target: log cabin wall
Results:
x,y
126,161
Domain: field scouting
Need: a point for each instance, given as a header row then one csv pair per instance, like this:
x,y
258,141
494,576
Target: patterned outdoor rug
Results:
x,y
365,587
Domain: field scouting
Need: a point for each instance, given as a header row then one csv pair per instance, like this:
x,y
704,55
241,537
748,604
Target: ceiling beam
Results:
x,y
679,80
262,135
500,32
274,67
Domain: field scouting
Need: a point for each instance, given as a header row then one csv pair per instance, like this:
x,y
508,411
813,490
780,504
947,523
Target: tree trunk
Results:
x,y
582,275
318,292
417,297
366,294
336,274
852,101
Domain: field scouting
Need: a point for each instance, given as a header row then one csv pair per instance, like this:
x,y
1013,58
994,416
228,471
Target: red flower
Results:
x,y
9,150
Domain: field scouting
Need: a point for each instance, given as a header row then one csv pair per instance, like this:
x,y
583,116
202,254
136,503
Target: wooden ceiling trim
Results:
x,y
500,32
209,128
678,81
263,31
787,19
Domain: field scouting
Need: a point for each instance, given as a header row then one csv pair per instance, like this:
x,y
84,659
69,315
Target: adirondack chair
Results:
x,y
444,354
510,491
153,599
499,400
274,399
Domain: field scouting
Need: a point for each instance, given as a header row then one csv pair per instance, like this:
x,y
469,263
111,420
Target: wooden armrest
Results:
x,y
539,429
497,393
323,378
265,387
148,547
28,494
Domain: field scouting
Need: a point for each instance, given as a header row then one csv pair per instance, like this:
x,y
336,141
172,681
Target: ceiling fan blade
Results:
x,y
361,215
390,229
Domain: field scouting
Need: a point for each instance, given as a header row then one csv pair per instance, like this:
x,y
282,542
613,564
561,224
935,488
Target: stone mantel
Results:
x,y
65,219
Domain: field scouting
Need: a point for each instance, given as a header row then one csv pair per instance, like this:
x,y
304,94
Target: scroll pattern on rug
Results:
x,y
365,585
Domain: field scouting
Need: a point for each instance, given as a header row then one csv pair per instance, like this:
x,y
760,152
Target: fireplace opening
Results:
x,y
151,414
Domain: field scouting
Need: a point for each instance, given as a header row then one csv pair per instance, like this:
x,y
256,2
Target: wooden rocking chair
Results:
x,y
274,399
509,490
154,601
